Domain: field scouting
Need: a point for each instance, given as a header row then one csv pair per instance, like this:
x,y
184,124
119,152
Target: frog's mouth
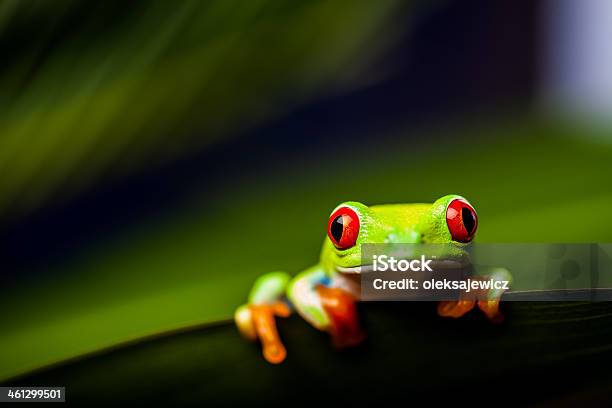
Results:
x,y
441,264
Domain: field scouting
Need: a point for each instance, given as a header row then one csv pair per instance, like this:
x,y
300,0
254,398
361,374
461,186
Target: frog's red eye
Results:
x,y
462,220
343,228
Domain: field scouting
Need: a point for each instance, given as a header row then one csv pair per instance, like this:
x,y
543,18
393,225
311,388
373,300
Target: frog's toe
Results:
x,y
491,309
263,318
455,308
244,321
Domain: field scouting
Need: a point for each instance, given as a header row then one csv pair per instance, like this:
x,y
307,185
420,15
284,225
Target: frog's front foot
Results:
x,y
341,309
491,309
457,308
487,300
257,321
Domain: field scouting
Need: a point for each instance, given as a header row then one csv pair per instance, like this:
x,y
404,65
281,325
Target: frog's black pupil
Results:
x,y
468,220
337,227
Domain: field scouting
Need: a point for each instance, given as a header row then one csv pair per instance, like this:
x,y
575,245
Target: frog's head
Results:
x,y
449,220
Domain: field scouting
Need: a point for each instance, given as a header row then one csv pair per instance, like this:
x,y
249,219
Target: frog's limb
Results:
x,y
491,309
488,302
269,288
455,308
341,308
304,297
255,320
490,305
326,306
244,321
265,327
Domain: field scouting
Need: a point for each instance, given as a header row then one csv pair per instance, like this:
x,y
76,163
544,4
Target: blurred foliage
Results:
x,y
92,89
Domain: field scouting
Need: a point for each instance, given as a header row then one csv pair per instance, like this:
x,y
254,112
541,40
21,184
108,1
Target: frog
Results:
x,y
326,294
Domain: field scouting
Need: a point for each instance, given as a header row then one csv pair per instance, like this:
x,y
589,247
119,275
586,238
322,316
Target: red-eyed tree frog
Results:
x,y
325,294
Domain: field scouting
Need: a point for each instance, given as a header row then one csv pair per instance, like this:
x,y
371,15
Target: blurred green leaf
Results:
x,y
104,88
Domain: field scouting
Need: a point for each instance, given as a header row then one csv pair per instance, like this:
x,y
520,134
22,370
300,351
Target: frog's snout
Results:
x,y
404,237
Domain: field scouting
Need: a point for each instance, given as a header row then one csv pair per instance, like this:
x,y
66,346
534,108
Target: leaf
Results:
x,y
543,352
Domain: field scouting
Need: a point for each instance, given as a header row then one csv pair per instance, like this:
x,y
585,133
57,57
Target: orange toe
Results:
x,y
455,308
491,309
265,325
